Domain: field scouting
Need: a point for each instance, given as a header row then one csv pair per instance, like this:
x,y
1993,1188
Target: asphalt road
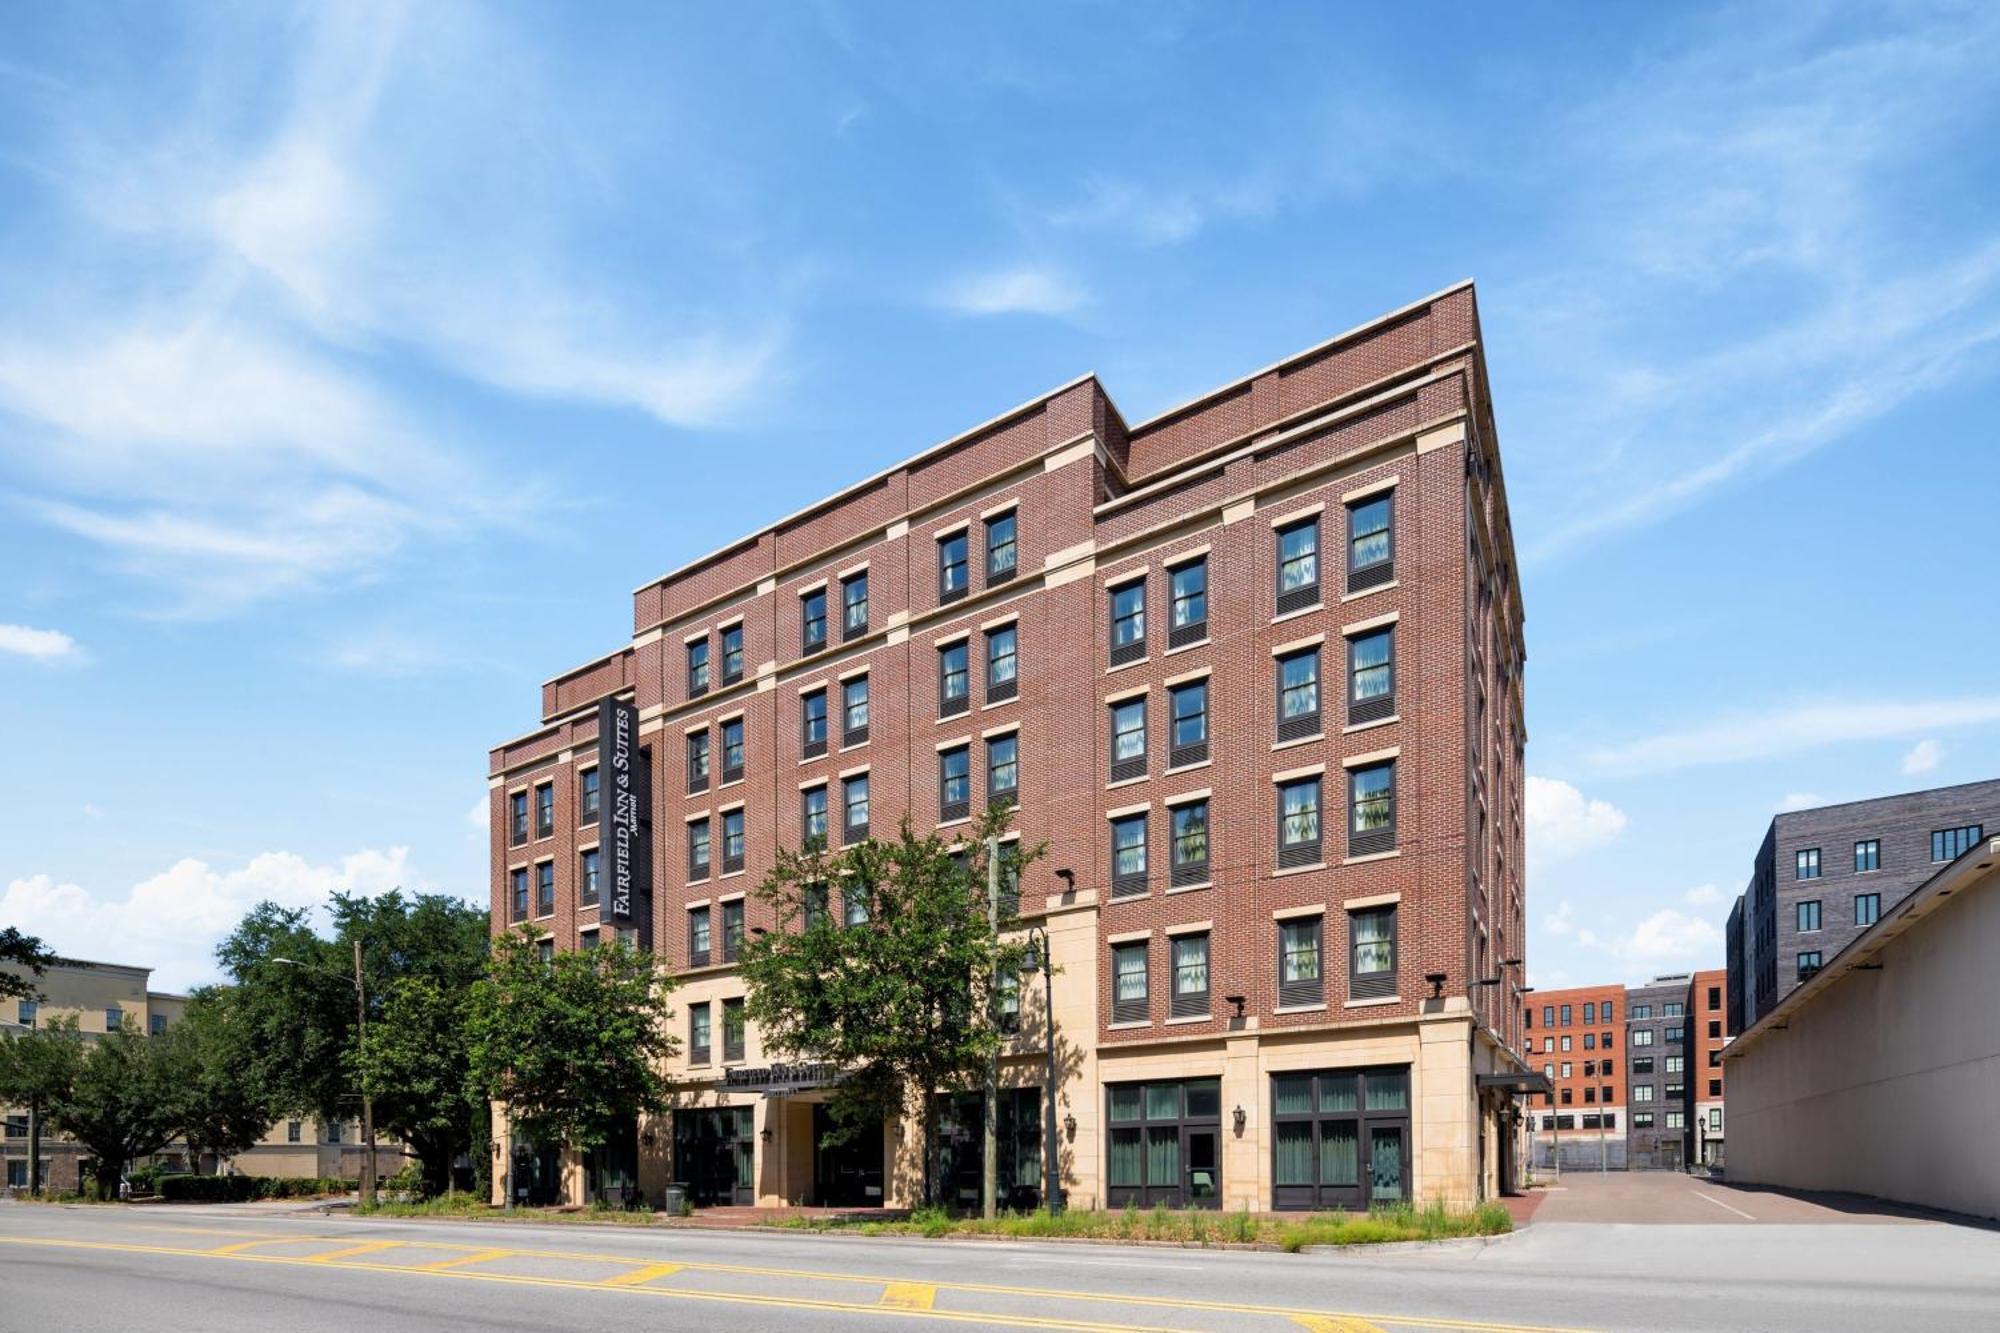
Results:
x,y
218,1270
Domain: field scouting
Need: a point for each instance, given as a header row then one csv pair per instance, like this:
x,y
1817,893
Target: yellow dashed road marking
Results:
x,y
909,1295
458,1260
366,1247
640,1276
1323,1324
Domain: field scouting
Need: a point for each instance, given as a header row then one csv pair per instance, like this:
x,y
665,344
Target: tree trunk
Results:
x,y
35,1181
930,1145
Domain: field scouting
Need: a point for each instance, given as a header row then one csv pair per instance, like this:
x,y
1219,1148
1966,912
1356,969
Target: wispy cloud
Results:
x,y
1790,728
1665,937
1014,291
39,645
1799,800
1563,822
1922,758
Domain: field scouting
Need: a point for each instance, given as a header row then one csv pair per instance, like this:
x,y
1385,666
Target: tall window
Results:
x,y
812,815
1190,829
1128,739
812,723
1002,663
545,810
1298,565
697,748
1187,588
545,888
1809,914
1128,855
1298,823
517,818
1128,622
699,942
698,839
1868,855
1188,704
1806,863
812,621
1190,963
732,930
701,1036
732,841
1605,1012
954,680
1808,963
1589,1012
953,577
1299,974
954,783
732,750
1867,908
1128,981
1372,806
517,894
1370,544
732,653
854,606
732,1030
1951,843
1371,680
854,802
1372,970
697,652
1002,555
586,878
1003,769
854,710
1298,695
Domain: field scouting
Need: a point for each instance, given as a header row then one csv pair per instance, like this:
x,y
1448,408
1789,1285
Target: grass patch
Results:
x,y
1435,1222
469,1207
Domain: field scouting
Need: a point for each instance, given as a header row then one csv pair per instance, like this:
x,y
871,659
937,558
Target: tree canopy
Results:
x,y
218,1109
25,952
117,1094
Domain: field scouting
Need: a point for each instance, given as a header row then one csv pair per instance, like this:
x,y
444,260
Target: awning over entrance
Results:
x,y
1526,1081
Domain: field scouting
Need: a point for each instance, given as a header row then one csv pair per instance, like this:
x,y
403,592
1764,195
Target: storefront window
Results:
x,y
1165,1144
1340,1138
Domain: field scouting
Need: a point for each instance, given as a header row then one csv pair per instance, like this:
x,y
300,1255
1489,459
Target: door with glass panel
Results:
x,y
1340,1138
1165,1144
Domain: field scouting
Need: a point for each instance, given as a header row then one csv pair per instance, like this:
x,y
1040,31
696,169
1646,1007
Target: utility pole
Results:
x,y
367,1102
1051,1179
989,1185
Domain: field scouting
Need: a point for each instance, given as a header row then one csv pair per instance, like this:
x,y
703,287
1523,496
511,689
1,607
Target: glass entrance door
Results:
x,y
1387,1169
1204,1168
847,1173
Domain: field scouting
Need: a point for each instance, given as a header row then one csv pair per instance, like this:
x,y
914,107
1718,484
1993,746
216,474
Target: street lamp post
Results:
x,y
1051,1178
361,1037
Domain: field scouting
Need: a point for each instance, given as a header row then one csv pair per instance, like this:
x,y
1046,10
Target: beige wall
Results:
x,y
1888,1082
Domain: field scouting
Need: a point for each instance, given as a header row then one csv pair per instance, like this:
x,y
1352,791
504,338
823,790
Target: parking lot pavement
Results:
x,y
1669,1198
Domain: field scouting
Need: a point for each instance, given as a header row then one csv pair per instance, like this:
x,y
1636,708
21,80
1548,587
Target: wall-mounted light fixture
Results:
x,y
1241,1120
1436,980
1069,1125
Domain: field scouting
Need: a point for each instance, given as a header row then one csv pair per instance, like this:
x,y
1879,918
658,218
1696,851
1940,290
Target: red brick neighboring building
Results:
x,y
1708,1033
1251,669
1576,1038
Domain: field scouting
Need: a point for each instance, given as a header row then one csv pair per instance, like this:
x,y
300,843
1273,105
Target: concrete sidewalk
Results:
x,y
1669,1198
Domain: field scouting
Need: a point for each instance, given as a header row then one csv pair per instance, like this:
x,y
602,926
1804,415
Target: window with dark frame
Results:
x,y
545,888
1806,863
853,606
698,849
954,679
1371,676
1372,809
1187,610
812,723
517,818
954,577
588,862
701,1035
732,1031
1188,958
1187,741
697,760
854,807
1808,914
732,841
1951,843
587,797
954,783
517,894
1808,963
1190,843
1298,823
1128,738
697,664
1300,976
1867,908
732,930
1340,1139
812,621
1002,663
813,816
817,906
1867,855
1128,622
1002,550
854,905
545,810
1163,1147
699,942
732,653
1003,769
1298,565
1371,549
732,750
1371,953
853,711
1298,695
1130,1001
1128,855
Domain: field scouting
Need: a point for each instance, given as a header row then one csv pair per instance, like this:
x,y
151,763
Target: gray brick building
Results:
x,y
1657,1073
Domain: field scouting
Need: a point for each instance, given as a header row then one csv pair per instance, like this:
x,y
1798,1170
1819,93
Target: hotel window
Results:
x,y
1298,566
545,951
812,621
1589,1012
854,803
1128,622
1806,863
1128,855
701,1034
545,810
1808,963
697,747
1128,982
1189,997
1566,1011
953,577
732,750
1868,855
854,711
1163,1146
732,1030
812,724
1372,953
1951,843
732,654
1187,591
1003,664
698,839
732,930
1190,833
293,1131
517,818
854,904
954,783
1371,674
1371,552
1372,802
1188,742
1298,695
586,940
1867,908
333,1132
1002,551
732,841
853,606
812,816
517,894
816,905
26,1011
1128,739
545,888
1298,823
1299,971
698,936
586,796
1809,914
586,878
1003,769
954,680
697,668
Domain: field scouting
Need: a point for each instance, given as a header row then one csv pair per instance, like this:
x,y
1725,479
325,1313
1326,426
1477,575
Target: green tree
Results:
x,y
37,1068
26,953
576,1045
220,1110
416,1058
902,1002
121,1102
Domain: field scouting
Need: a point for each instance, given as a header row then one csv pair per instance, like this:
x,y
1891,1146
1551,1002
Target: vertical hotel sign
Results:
x,y
619,760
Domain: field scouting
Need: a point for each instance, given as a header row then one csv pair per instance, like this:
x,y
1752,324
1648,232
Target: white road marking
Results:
x,y
1720,1204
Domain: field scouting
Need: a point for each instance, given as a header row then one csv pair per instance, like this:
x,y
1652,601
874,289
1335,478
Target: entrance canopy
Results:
x,y
1525,1081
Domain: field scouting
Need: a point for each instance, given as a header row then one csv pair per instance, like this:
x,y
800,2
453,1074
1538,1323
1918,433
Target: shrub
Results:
x,y
243,1189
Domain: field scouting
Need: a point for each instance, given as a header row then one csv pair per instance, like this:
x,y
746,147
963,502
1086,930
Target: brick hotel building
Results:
x,y
1251,669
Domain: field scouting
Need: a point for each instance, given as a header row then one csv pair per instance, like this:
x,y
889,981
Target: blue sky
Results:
x,y
355,363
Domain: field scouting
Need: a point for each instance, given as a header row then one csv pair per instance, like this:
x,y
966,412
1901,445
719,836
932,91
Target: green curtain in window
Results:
x,y
1163,1156
1163,1101
1125,1158
1125,1103
1291,1096
1339,1154
1388,1092
1338,1093
1294,1165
